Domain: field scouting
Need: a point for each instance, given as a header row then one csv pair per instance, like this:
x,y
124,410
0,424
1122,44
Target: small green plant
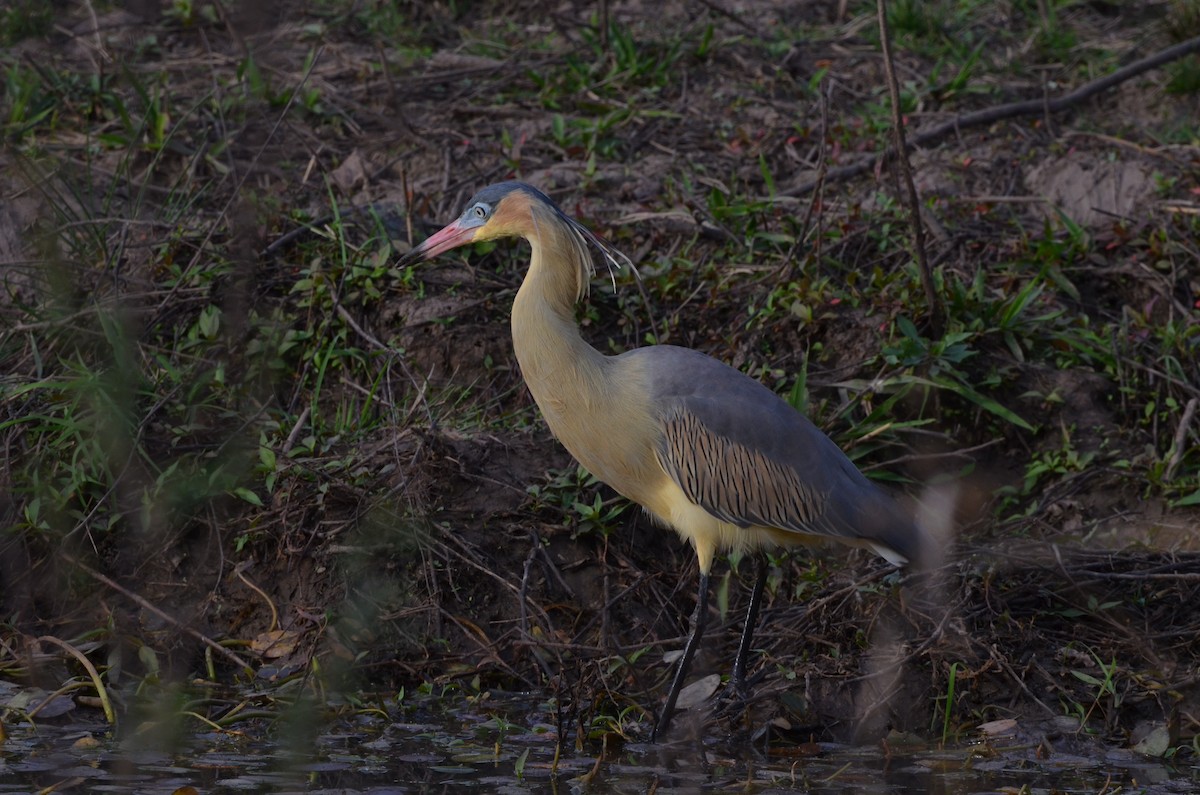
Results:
x,y
960,82
1106,689
622,724
940,362
621,662
600,515
947,710
28,103
189,13
383,20
1184,76
519,765
562,494
1043,468
1054,39
918,18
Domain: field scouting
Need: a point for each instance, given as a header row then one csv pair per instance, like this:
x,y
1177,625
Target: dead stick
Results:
x,y
736,18
790,263
111,583
910,189
1181,433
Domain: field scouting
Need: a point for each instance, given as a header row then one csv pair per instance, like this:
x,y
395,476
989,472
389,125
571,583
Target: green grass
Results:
x,y
181,399
25,19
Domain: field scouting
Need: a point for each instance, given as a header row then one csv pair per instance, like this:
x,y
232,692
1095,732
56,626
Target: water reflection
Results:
x,y
506,745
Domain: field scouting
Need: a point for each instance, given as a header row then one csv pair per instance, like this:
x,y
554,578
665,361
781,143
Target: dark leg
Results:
x,y
698,619
739,663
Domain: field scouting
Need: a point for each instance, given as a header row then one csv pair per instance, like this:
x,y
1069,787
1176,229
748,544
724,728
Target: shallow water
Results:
x,y
504,744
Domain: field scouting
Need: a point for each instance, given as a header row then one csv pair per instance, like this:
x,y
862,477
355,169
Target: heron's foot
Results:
x,y
740,688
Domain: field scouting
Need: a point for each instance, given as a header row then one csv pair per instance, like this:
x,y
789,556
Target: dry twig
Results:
x,y
932,305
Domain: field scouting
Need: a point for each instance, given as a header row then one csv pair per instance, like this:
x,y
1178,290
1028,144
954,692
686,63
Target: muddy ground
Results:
x,y
416,551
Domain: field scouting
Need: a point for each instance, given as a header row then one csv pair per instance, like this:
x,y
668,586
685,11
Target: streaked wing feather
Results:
x,y
743,454
735,483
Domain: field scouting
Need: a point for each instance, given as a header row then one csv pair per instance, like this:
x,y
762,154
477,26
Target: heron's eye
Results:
x,y
481,211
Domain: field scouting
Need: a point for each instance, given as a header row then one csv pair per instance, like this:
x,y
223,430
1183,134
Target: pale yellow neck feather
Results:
x,y
562,370
596,405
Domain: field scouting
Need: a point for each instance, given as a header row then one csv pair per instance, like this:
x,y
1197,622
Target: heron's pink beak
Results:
x,y
451,236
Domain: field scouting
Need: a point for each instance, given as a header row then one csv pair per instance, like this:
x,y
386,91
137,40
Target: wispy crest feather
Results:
x,y
580,237
614,258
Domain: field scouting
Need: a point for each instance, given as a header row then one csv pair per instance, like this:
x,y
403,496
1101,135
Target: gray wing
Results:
x,y
747,457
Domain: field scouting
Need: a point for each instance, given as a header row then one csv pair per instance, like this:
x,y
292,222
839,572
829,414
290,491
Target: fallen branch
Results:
x,y
143,603
1028,107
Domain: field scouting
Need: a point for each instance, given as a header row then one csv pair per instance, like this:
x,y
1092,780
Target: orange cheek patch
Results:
x,y
511,219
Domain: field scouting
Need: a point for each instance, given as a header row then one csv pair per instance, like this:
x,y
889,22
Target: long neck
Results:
x,y
596,405
565,375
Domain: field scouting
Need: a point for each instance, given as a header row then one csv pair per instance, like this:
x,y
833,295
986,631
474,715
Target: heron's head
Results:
x,y
505,209
512,209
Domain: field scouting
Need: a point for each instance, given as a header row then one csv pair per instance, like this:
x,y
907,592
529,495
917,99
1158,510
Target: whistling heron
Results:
x,y
704,448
